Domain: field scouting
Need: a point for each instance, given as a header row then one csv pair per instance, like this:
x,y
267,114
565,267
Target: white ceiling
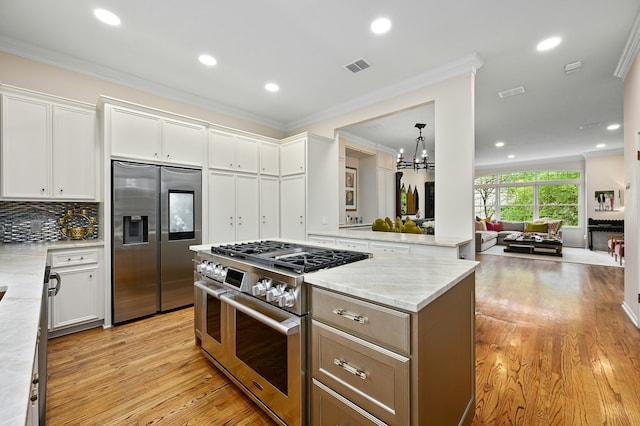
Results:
x,y
304,47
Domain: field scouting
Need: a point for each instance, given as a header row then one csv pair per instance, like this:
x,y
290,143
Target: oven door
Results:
x,y
213,321
267,355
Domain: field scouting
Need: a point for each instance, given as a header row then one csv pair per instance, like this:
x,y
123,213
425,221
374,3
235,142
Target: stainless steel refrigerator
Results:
x,y
156,213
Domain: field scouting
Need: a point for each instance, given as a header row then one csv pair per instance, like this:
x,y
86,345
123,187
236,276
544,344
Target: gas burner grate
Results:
x,y
293,257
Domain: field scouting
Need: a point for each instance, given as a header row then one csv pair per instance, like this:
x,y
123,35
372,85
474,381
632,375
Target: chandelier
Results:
x,y
418,163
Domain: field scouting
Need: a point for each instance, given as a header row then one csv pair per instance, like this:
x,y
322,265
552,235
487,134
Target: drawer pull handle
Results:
x,y
350,315
351,369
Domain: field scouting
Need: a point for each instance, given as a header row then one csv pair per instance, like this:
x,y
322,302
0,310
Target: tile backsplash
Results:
x,y
26,221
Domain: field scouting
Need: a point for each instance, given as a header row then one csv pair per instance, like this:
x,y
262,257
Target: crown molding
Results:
x,y
365,142
469,63
70,63
630,50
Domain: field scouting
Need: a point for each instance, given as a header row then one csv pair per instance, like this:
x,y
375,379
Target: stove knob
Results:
x,y
261,287
287,299
200,266
207,268
274,294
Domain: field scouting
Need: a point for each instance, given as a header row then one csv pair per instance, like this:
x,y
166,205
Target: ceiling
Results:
x,y
304,46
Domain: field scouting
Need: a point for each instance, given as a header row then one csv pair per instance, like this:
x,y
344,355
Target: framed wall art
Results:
x,y
351,188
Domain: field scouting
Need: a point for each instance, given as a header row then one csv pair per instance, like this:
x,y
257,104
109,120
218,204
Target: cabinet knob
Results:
x,y
168,156
42,190
61,190
69,259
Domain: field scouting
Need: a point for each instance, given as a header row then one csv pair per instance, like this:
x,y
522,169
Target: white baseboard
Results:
x,y
632,316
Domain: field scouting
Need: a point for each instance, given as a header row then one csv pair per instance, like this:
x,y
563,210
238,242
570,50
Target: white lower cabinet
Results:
x,y
233,207
269,207
293,208
80,299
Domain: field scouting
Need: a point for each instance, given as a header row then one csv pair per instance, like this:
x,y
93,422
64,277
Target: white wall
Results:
x,y
632,191
454,143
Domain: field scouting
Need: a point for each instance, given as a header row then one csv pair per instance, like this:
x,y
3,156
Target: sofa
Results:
x,y
490,233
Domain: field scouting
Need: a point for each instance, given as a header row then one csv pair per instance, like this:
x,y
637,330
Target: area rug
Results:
x,y
569,254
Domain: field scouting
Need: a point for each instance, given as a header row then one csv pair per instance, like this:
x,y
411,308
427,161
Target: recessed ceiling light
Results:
x,y
272,87
601,145
613,127
207,60
549,43
511,156
107,17
381,25
499,144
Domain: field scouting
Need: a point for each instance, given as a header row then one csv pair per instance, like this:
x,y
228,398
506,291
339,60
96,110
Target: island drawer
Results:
x,y
330,408
370,376
384,326
73,257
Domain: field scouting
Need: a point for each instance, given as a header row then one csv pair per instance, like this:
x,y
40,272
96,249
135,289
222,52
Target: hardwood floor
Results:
x,y
553,347
148,372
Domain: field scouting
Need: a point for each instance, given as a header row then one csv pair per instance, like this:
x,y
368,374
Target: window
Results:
x,y
526,196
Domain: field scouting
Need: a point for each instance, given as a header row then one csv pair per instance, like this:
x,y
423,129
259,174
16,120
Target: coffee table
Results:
x,y
533,244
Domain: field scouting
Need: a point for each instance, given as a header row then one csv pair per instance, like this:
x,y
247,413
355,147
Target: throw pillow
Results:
x,y
537,227
497,226
554,226
490,226
481,225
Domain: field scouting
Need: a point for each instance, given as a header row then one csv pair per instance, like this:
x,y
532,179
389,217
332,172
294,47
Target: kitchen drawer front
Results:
x,y
72,258
329,409
370,376
378,324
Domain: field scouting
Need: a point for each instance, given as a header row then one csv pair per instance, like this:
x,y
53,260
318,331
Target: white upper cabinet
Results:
x,y
133,134
183,143
269,159
140,135
48,147
293,157
231,152
74,153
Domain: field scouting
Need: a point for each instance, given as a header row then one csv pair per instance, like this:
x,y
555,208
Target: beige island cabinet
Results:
x,y
392,342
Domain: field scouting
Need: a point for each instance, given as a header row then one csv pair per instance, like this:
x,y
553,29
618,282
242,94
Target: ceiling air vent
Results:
x,y
511,92
357,65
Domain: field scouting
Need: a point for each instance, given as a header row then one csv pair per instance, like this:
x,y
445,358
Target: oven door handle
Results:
x,y
212,291
287,327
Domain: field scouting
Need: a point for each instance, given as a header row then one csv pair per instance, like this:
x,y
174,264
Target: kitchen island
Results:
x,y
22,269
391,339
421,244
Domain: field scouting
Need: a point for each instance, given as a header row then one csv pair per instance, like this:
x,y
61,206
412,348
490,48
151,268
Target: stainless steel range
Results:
x,y
251,318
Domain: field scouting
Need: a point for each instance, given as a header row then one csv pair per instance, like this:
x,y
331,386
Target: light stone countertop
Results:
x,y
22,271
399,280
404,281
394,237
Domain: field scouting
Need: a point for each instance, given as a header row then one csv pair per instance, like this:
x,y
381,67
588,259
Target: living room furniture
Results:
x,y
603,225
619,251
488,234
612,241
533,244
